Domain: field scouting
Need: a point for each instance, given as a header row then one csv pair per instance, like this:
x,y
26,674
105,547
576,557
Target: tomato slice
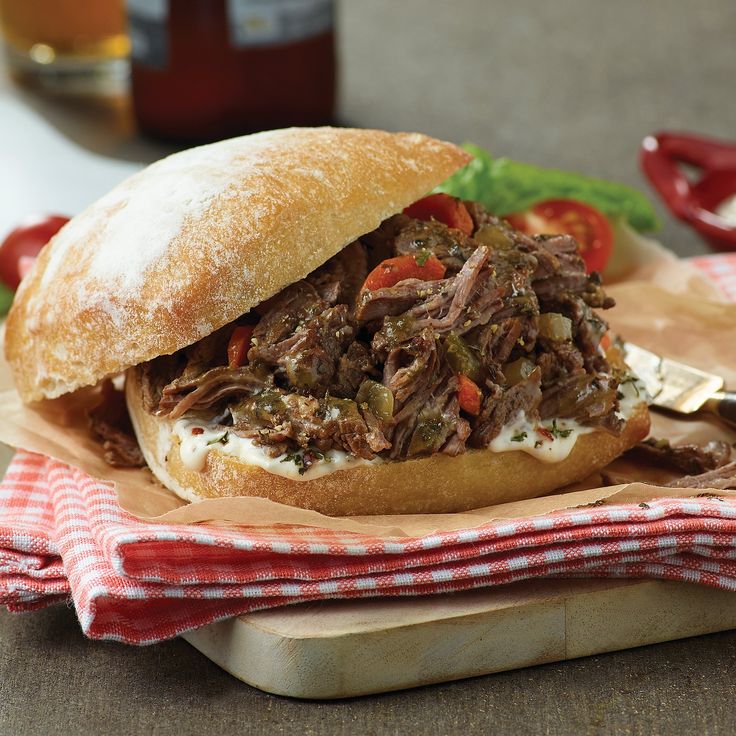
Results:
x,y
444,208
25,242
392,270
568,216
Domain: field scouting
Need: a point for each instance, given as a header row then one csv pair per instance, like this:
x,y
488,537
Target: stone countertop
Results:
x,y
574,84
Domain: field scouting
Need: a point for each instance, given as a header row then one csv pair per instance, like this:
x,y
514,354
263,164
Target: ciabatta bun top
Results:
x,y
195,240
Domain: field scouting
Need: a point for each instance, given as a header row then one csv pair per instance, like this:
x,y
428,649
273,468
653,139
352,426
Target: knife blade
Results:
x,y
678,387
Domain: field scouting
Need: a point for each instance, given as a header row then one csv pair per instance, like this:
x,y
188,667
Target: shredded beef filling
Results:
x,y
708,466
110,424
333,366
689,459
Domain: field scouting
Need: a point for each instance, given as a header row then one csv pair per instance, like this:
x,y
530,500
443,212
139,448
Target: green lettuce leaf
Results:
x,y
505,186
6,297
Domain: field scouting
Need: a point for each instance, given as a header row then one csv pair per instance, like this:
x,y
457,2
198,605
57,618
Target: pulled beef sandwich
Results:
x,y
298,321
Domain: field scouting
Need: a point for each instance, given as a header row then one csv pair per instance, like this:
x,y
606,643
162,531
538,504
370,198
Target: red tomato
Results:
x,y
24,242
392,270
444,208
239,345
585,223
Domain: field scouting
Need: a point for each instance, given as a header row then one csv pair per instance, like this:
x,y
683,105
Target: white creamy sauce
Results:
x,y
195,447
726,210
545,441
552,441
548,441
634,392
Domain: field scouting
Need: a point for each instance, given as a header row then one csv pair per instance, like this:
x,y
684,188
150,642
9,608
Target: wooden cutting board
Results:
x,y
338,649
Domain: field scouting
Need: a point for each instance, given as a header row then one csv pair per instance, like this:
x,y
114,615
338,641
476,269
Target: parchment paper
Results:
x,y
688,321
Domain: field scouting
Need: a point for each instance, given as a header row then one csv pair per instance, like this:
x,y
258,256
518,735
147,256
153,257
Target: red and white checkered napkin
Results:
x,y
720,269
62,535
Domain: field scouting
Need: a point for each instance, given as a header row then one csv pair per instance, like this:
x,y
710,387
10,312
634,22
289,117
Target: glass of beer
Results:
x,y
75,46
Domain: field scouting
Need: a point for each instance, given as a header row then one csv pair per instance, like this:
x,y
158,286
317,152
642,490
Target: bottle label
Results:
x,y
147,28
275,22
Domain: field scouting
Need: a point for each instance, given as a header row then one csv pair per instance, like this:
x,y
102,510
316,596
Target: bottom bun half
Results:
x,y
429,485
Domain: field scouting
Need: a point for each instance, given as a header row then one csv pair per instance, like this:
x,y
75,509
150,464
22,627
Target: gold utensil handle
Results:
x,y
723,405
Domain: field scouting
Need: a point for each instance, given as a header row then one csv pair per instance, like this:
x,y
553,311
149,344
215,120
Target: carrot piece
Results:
x,y
443,208
237,348
392,270
469,395
606,342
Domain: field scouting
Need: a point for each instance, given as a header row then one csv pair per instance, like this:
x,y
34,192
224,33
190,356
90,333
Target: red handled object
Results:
x,y
694,201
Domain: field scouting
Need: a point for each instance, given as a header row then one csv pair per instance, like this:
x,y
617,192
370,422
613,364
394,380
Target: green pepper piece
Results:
x,y
264,408
494,237
378,397
429,435
462,358
397,329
